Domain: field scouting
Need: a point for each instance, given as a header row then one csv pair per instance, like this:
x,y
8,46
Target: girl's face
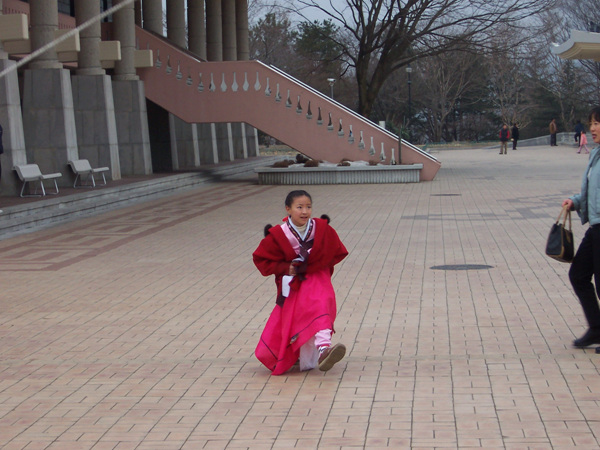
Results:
x,y
300,210
595,130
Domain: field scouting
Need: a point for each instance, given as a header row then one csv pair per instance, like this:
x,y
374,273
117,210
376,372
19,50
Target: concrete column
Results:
x,y
214,34
95,121
243,54
48,114
176,22
49,121
89,38
132,127
124,31
183,143
43,19
208,153
130,99
3,54
11,119
229,28
242,33
152,16
197,28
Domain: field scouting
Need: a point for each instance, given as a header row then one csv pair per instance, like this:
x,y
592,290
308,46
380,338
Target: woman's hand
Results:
x,y
292,271
568,203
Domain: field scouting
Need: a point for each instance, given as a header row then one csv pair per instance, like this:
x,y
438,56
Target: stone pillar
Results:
x,y
130,100
89,38
48,114
93,98
197,28
11,119
176,22
3,54
124,31
249,134
214,34
197,45
43,17
152,16
183,144
229,28
242,33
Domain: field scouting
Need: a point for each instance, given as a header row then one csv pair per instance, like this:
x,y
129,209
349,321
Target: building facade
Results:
x,y
84,99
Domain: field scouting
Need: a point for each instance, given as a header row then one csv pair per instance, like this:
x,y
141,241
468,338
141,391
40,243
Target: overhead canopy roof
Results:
x,y
581,45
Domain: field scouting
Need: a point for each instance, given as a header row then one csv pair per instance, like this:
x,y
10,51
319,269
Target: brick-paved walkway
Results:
x,y
136,329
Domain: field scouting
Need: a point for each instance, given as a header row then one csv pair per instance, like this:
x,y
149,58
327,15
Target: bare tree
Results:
x,y
449,76
509,86
571,84
272,40
381,36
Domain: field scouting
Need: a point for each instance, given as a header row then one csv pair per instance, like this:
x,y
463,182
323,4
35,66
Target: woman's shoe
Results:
x,y
591,337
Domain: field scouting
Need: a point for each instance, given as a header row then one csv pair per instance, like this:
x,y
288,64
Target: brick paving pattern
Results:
x,y
135,329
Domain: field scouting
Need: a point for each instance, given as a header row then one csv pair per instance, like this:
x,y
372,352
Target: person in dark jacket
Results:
x,y
578,129
553,130
504,138
515,135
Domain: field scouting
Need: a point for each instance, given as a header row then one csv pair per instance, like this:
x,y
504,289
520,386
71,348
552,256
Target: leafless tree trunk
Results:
x,y
382,36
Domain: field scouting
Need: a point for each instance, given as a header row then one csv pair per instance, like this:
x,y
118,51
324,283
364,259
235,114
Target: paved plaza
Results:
x,y
135,329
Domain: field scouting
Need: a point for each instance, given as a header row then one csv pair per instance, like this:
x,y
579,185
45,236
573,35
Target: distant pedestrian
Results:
x,y
578,129
583,143
515,135
504,137
553,129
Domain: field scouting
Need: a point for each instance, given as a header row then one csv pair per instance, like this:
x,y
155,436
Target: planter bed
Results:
x,y
332,174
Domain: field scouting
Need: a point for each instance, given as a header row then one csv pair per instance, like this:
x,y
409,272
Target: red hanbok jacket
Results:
x,y
310,306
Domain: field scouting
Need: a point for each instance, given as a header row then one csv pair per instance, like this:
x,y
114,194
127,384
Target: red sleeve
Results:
x,y
271,257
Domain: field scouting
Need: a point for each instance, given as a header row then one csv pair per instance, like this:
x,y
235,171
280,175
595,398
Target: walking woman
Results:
x,y
586,263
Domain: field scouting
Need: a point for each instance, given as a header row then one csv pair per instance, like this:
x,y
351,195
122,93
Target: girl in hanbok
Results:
x,y
301,253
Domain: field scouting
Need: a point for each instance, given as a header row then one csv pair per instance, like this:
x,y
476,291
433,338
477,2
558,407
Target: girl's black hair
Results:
x,y
295,194
594,114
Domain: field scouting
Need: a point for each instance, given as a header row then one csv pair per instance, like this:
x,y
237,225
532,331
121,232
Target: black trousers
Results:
x,y
585,265
553,140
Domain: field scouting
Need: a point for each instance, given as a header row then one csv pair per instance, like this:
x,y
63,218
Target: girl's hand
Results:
x,y
292,270
568,203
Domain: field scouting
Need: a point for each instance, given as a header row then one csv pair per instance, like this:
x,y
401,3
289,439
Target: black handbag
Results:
x,y
560,245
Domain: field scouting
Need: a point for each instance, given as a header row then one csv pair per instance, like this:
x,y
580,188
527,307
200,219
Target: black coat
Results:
x,y
515,132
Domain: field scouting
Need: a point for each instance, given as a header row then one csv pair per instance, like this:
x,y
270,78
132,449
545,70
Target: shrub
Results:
x,y
373,162
311,163
344,163
283,164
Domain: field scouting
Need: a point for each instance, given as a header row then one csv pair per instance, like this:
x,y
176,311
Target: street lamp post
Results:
x,y
409,81
408,72
331,82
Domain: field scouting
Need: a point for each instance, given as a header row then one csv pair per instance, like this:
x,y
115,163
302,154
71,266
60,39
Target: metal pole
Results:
x,y
408,72
331,82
